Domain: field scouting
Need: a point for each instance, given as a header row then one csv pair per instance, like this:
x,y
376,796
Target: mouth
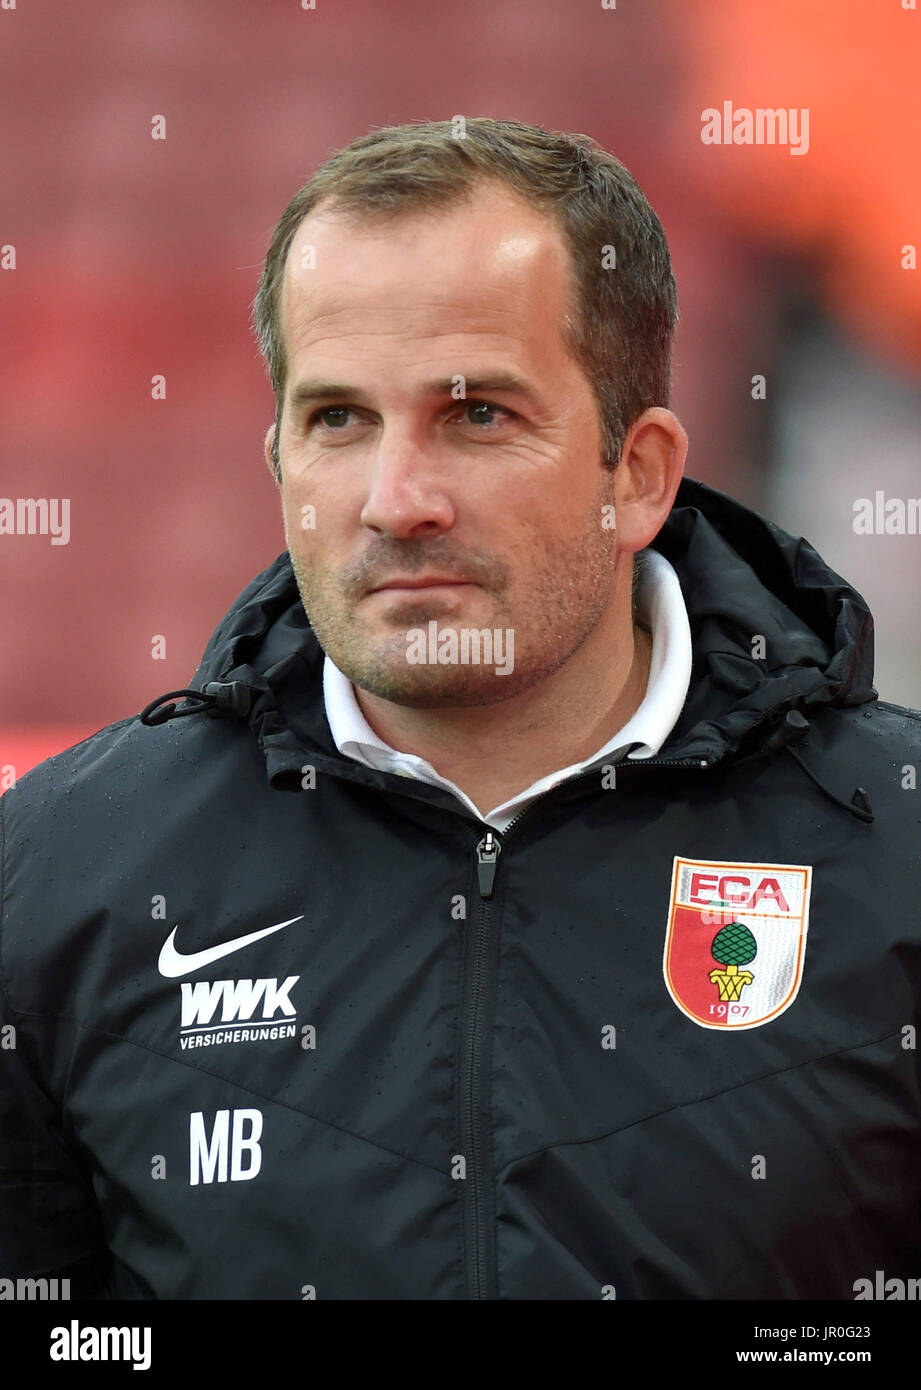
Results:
x,y
424,586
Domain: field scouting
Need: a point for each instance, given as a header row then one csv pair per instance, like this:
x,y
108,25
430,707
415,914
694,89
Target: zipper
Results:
x,y
479,970
479,1224
487,853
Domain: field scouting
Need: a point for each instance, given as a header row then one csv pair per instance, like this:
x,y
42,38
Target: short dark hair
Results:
x,y
622,323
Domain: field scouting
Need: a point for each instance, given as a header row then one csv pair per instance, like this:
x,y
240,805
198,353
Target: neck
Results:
x,y
494,752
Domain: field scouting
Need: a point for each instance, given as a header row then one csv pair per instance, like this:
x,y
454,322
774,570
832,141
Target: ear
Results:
x,y
647,476
269,436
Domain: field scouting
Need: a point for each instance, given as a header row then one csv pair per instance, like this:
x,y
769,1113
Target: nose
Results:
x,y
405,497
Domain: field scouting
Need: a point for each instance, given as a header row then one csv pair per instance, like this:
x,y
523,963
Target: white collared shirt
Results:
x,y
660,607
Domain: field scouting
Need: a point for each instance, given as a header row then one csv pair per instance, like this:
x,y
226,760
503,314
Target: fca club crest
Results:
x,y
736,940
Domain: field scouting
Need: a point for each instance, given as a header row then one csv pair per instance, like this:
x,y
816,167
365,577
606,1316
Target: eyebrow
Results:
x,y
504,383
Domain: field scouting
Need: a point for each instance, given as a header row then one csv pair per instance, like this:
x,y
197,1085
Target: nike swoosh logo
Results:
x,y
172,963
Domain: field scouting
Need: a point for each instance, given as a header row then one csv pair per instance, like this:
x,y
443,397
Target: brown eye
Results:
x,y
477,407
334,410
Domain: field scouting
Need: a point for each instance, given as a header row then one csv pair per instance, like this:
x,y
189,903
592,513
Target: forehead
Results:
x,y
494,266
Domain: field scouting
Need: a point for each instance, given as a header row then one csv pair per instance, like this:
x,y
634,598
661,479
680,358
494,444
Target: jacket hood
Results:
x,y
741,575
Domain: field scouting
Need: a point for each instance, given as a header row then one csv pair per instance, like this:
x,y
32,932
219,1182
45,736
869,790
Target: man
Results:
x,y
493,940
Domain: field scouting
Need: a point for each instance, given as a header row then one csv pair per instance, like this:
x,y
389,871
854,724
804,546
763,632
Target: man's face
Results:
x,y
503,489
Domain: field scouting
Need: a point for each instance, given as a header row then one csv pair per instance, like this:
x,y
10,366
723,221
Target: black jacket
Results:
x,y
467,1066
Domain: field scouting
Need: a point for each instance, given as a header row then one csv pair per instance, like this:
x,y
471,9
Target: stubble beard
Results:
x,y
571,592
